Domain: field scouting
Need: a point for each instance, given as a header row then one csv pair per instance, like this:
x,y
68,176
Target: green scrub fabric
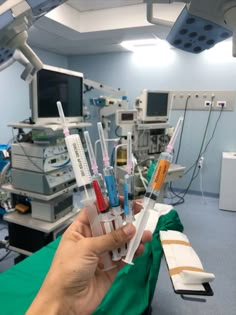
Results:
x,y
131,292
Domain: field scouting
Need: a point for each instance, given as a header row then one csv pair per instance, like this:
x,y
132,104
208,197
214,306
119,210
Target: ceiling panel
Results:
x,y
92,26
89,5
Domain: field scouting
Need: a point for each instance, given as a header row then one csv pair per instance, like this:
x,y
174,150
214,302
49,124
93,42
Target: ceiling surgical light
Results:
x,y
16,17
200,25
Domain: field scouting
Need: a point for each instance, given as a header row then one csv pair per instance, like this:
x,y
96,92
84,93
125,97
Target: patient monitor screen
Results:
x,y
157,104
55,86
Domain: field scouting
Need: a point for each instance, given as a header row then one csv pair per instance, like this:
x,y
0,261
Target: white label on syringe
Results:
x,y
78,160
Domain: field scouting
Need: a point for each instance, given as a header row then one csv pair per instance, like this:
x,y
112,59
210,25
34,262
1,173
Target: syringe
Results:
x,y
152,193
100,192
105,215
111,184
129,183
83,180
159,175
96,175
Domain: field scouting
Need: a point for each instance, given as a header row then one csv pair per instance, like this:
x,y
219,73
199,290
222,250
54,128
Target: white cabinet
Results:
x,y
228,182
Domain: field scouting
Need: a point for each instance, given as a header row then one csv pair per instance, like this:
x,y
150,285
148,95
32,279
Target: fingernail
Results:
x,y
129,229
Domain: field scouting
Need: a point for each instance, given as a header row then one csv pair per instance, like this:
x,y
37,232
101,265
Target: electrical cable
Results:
x,y
182,129
179,147
194,176
209,141
181,199
116,133
206,144
213,133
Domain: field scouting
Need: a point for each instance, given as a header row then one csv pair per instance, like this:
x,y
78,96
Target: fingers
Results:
x,y
82,217
140,250
147,236
113,240
137,205
81,224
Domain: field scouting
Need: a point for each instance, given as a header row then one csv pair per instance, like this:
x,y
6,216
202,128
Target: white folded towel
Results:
x,y
185,267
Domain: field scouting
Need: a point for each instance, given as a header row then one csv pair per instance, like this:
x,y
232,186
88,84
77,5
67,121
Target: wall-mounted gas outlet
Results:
x,y
202,100
208,104
221,104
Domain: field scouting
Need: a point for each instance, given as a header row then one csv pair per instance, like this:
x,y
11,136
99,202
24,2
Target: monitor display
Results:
x,y
153,106
53,84
157,104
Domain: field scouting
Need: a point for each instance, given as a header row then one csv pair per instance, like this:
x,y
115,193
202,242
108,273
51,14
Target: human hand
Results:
x,y
75,283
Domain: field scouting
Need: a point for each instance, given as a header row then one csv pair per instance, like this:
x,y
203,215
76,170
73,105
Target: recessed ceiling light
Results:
x,y
140,44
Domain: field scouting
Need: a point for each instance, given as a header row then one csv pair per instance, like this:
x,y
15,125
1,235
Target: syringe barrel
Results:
x,y
93,217
103,145
111,186
159,175
135,241
148,202
101,201
129,180
128,193
129,152
170,145
87,192
99,178
78,160
96,228
61,113
92,158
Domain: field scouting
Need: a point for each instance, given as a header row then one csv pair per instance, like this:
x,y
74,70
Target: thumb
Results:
x,y
113,240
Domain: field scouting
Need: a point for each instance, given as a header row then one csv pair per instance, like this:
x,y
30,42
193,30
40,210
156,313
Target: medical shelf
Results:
x,y
11,189
53,127
36,224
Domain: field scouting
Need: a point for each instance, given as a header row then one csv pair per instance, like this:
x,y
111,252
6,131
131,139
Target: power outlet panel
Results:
x,y
201,100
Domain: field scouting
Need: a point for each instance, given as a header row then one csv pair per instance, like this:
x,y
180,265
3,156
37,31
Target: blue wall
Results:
x,y
14,104
180,71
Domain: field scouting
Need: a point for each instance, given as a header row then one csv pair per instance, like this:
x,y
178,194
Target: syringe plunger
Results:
x,y
105,155
63,120
129,152
170,145
93,161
